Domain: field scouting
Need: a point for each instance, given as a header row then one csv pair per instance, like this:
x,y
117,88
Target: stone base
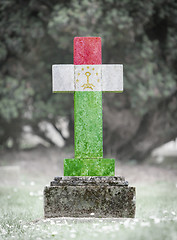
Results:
x,y
102,197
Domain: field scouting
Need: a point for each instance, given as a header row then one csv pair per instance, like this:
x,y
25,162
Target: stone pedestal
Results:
x,y
101,197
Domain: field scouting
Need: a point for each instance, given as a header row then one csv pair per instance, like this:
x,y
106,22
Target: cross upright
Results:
x,y
88,78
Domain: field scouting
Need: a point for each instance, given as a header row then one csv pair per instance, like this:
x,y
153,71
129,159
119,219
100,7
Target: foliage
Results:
x,y
35,34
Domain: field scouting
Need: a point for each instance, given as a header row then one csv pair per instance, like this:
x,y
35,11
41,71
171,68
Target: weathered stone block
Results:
x,y
89,197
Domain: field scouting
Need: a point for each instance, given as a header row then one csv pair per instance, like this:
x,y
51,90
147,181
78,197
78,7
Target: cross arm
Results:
x,y
63,78
112,77
103,77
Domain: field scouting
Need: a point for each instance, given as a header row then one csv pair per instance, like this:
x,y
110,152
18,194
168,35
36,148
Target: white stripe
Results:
x,y
104,77
63,78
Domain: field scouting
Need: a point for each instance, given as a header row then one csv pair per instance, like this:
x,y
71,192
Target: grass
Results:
x,y
21,202
21,216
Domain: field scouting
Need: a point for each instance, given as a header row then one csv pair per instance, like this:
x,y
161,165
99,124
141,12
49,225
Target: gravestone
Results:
x,y
88,187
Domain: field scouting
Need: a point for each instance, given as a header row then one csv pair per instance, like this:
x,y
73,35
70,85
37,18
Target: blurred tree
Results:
x,y
141,35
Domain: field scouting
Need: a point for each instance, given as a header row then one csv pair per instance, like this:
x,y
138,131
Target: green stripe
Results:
x,y
89,167
88,129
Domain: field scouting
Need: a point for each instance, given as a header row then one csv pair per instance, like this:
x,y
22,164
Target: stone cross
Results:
x,y
88,78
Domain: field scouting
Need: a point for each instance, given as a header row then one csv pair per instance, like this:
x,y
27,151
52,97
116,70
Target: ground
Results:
x,y
24,174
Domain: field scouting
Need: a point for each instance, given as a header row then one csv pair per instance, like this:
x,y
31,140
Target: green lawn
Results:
x,y
21,216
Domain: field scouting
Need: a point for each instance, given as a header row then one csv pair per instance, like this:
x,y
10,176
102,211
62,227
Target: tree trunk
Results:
x,y
70,141
135,137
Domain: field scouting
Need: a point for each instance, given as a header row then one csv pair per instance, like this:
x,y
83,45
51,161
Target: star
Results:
x,y
97,74
98,80
93,68
88,67
82,69
77,80
78,74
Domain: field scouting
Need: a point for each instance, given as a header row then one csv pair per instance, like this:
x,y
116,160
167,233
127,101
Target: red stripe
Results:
x,y
87,50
